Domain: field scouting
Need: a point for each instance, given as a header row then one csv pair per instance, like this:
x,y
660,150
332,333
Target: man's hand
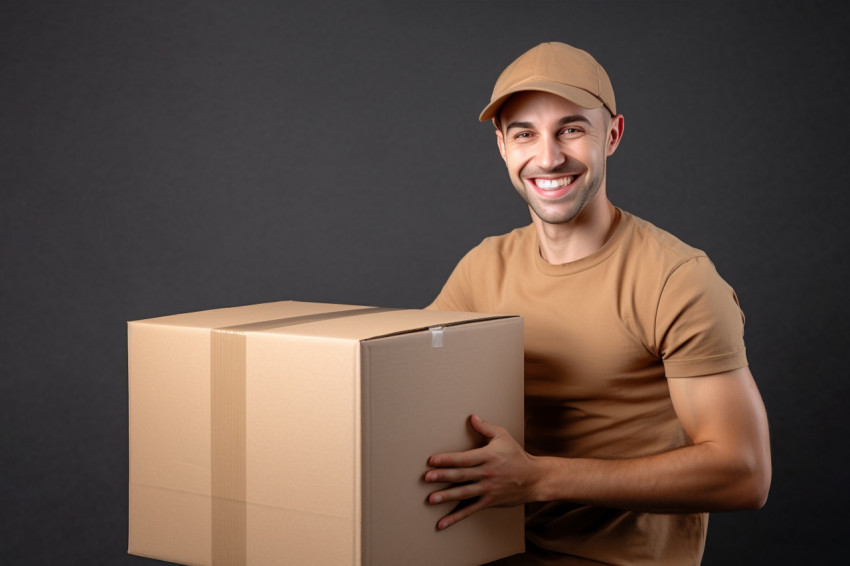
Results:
x,y
500,474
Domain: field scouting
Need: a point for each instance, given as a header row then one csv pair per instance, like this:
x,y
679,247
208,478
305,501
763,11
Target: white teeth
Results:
x,y
551,184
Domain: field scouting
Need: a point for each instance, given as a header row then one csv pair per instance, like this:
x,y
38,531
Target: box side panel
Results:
x,y
416,402
302,448
154,514
169,490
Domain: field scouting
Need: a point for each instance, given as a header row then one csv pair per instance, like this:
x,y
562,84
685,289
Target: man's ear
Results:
x,y
500,140
615,133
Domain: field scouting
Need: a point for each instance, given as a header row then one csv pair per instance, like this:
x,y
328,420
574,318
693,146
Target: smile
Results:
x,y
553,184
552,188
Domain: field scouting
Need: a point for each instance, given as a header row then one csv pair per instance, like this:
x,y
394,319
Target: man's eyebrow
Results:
x,y
573,119
520,125
563,121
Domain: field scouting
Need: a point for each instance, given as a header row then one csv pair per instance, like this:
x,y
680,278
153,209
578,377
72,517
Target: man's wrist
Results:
x,y
541,488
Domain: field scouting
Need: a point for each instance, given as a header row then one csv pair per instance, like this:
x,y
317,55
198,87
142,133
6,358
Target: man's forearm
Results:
x,y
690,479
728,466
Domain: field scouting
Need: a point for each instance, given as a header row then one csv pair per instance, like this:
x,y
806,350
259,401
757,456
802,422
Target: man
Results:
x,y
641,412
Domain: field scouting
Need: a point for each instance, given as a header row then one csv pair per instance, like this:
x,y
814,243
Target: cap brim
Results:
x,y
573,94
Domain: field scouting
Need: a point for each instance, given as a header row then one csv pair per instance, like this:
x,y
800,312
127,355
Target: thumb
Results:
x,y
483,427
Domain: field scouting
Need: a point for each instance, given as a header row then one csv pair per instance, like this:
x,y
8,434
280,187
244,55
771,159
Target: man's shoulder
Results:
x,y
503,245
658,242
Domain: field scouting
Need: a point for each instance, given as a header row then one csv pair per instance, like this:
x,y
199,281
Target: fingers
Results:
x,y
466,459
456,493
460,513
467,473
454,475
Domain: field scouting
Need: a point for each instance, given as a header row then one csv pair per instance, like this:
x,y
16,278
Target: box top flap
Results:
x,y
319,319
249,314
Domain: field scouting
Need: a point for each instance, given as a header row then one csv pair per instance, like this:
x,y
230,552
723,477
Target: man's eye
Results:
x,y
570,131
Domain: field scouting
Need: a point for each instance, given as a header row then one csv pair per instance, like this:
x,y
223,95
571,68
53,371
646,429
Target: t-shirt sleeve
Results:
x,y
456,294
699,323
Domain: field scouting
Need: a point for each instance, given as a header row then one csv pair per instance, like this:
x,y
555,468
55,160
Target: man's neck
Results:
x,y
579,238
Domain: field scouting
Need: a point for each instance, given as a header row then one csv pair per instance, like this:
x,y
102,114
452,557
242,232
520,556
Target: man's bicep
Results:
x,y
724,409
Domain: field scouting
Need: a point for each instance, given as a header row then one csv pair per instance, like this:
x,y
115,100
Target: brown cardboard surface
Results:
x,y
419,408
297,433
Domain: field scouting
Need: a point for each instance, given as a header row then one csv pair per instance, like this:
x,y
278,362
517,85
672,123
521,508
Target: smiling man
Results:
x,y
641,413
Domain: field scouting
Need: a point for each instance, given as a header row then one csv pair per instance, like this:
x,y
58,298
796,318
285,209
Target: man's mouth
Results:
x,y
553,187
553,184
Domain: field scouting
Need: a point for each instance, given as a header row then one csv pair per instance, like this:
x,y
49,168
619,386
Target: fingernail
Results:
x,y
436,499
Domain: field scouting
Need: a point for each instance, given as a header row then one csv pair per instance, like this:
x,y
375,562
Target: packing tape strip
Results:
x,y
228,456
228,448
296,320
436,336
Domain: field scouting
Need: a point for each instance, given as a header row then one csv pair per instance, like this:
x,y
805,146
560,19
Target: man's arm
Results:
x,y
726,468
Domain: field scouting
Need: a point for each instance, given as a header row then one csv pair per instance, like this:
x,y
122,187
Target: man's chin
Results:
x,y
548,217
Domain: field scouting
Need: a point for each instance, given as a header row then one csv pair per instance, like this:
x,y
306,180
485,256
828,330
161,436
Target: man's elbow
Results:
x,y
760,487
754,486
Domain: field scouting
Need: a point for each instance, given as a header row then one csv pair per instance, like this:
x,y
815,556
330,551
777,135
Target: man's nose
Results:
x,y
550,154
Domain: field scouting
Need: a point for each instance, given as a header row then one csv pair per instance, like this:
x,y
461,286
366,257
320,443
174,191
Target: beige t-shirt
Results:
x,y
602,335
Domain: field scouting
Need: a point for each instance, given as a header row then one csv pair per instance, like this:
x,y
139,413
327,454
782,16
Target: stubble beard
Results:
x,y
569,209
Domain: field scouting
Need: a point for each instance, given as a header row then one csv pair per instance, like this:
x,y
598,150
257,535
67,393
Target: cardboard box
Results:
x,y
298,433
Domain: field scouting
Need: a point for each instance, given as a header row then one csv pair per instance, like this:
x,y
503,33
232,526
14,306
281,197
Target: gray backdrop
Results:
x,y
168,156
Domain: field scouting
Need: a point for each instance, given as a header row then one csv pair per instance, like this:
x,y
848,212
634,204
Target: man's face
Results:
x,y
556,152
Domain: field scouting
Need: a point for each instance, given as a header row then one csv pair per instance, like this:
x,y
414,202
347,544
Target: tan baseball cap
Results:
x,y
557,68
